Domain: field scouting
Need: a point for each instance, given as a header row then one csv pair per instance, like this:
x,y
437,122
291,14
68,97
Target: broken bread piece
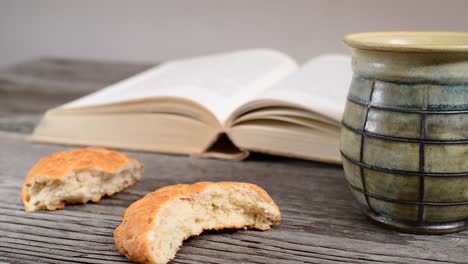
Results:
x,y
78,176
154,227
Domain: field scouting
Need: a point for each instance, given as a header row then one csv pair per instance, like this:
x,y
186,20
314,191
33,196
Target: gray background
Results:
x,y
148,31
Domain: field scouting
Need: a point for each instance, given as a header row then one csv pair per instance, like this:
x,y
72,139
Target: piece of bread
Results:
x,y
78,176
154,227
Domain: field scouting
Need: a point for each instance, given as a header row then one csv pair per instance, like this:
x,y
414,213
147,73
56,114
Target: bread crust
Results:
x,y
141,216
59,165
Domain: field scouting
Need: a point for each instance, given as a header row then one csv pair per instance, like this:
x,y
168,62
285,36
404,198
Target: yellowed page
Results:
x,y
320,85
220,82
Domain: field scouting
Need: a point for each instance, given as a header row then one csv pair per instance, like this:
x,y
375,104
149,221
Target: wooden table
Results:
x,y
321,223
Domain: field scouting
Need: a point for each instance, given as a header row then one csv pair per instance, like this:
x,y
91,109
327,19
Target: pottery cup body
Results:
x,y
404,139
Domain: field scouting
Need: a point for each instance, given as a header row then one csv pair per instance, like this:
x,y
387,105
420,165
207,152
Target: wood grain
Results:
x,y
321,223
29,89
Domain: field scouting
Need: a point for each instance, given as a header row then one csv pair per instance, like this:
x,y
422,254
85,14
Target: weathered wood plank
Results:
x,y
29,89
62,76
320,223
19,123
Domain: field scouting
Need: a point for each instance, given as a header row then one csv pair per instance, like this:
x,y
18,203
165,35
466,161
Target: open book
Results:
x,y
222,105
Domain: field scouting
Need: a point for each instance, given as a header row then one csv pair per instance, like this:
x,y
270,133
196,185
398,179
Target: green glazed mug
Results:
x,y
404,139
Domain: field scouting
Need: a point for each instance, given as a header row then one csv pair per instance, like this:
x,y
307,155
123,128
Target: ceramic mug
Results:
x,y
404,139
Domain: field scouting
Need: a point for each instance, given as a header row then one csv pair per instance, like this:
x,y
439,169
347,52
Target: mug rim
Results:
x,y
409,41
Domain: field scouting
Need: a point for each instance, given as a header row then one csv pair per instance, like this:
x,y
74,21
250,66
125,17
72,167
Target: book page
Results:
x,y
321,85
220,82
